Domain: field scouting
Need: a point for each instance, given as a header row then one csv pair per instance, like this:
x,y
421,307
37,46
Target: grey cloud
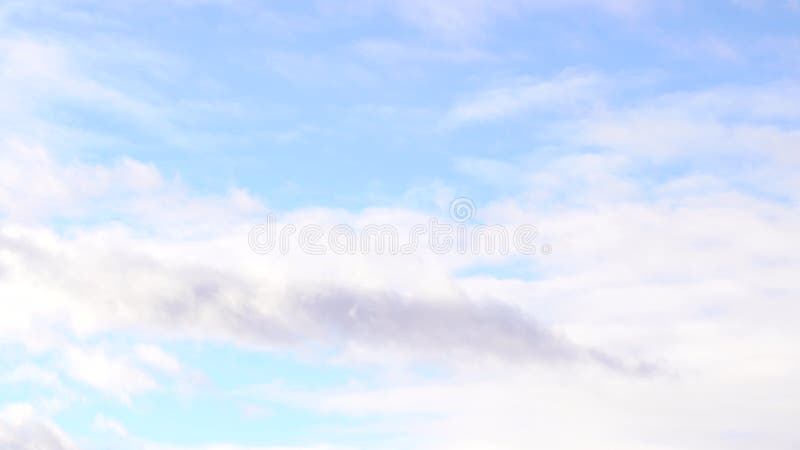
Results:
x,y
448,329
445,328
30,433
138,292
225,305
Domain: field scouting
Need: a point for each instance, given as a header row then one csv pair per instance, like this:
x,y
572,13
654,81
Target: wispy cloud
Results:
x,y
568,92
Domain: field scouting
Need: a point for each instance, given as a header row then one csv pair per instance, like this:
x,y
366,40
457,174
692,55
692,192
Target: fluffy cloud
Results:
x,y
668,302
670,287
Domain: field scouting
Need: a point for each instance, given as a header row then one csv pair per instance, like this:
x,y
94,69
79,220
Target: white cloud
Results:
x,y
734,120
759,123
109,425
157,358
37,185
113,375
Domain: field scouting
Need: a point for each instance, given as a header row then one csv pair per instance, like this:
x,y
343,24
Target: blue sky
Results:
x,y
653,145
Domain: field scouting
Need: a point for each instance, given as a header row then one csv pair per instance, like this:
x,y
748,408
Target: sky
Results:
x,y
171,174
